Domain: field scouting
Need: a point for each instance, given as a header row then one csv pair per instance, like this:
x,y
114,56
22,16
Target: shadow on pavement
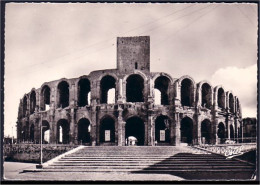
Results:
x,y
201,166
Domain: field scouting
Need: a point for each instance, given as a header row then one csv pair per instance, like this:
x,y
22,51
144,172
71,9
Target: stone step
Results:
x,y
116,156
152,165
144,162
140,158
147,159
142,171
155,169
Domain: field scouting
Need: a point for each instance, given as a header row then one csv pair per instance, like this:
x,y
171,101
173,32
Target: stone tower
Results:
x,y
133,53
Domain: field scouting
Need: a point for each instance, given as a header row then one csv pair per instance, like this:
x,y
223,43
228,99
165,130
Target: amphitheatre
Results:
x,y
118,107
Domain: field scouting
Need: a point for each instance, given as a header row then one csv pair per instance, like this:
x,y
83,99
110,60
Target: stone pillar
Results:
x,y
177,129
145,133
196,131
151,88
215,100
93,131
216,134
123,91
53,132
178,95
199,131
38,98
150,130
54,100
199,97
151,92
76,133
37,133
72,97
116,132
227,102
93,134
228,129
172,132
72,127
213,132
121,129
120,94
242,131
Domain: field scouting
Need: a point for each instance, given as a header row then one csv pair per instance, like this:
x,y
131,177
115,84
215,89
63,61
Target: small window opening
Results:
x,y
136,65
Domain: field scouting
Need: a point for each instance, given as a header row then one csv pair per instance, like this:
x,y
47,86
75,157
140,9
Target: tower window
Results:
x,y
136,65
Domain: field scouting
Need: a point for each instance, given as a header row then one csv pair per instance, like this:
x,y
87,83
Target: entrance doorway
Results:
x,y
205,132
221,132
134,128
84,131
162,130
186,130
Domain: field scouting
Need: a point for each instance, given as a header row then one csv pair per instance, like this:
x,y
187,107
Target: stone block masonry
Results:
x,y
129,105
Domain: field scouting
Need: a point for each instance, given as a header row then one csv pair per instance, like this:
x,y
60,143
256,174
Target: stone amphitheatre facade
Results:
x,y
80,111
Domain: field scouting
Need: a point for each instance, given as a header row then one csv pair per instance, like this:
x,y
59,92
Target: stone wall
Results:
x,y
31,152
60,106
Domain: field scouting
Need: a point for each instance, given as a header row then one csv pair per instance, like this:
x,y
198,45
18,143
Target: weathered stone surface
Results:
x,y
187,111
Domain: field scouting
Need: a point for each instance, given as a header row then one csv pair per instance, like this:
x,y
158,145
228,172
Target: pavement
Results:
x,y
13,171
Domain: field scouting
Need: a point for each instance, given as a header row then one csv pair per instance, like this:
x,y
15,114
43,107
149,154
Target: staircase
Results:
x,y
182,161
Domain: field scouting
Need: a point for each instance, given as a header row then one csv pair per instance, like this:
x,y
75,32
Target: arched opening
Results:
x,y
221,132
162,84
240,133
206,131
32,133
221,98
231,102
84,131
162,129
27,131
45,97
186,130
32,102
134,88
24,133
157,97
107,129
24,106
111,96
45,132
83,92
206,96
134,128
232,134
63,129
237,107
108,83
64,94
187,92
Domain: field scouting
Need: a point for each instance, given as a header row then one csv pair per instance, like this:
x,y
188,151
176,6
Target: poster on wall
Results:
x,y
162,135
107,135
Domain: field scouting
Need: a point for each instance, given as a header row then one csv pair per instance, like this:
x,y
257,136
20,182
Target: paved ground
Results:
x,y
12,171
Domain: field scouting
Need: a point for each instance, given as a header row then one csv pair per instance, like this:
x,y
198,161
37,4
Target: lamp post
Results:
x,y
41,154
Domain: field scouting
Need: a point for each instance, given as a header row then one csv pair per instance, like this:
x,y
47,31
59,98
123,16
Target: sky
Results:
x,y
208,41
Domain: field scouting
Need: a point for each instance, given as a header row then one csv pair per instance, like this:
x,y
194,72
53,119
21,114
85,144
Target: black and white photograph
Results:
x,y
130,92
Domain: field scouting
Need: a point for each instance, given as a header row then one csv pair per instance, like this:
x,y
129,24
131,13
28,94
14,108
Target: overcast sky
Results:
x,y
47,41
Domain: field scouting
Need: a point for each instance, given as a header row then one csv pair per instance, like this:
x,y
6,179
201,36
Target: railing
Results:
x,y
236,140
229,149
